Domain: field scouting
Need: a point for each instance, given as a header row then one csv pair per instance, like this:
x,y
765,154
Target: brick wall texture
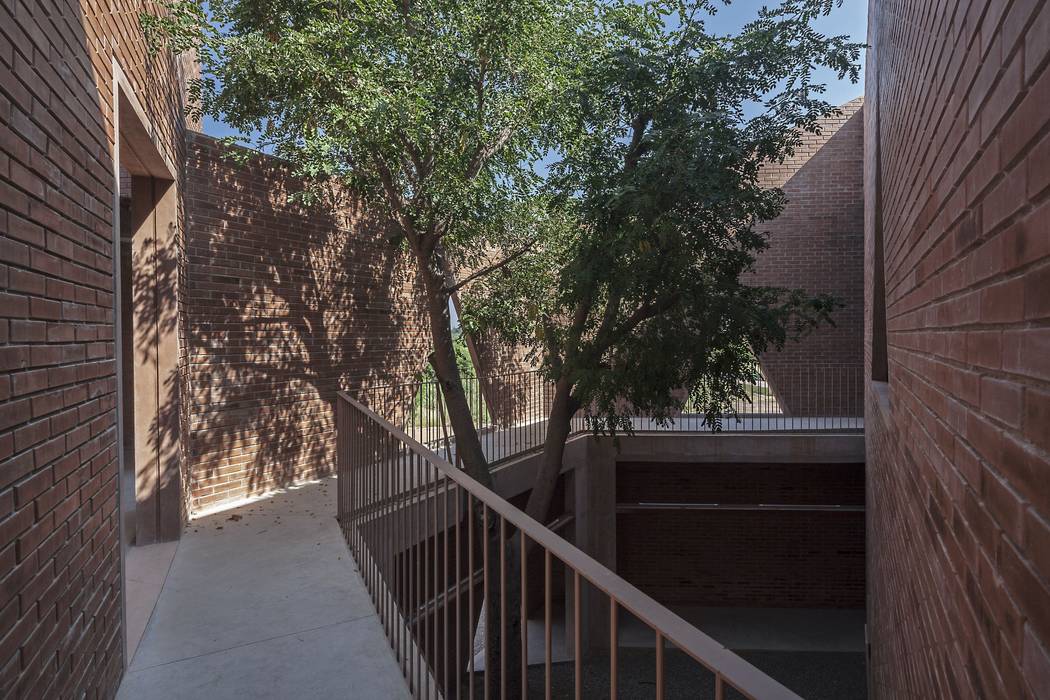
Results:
x,y
284,308
727,558
60,632
958,191
817,243
513,390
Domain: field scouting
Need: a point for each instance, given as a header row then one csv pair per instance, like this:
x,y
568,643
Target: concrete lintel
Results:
x,y
783,448
515,476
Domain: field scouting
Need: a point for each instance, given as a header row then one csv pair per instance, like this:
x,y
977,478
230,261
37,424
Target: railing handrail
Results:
x,y
704,649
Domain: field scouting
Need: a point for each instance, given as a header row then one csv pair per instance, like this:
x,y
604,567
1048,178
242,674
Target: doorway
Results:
x,y
147,351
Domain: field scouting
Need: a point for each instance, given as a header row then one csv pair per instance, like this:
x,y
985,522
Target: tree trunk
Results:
x,y
559,424
443,359
470,452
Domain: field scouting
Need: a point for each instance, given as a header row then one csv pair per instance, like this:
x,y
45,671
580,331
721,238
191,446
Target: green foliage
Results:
x,y
463,361
435,110
638,288
611,149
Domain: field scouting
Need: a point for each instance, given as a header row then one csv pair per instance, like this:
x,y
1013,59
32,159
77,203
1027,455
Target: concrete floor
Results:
x,y
264,601
818,654
145,570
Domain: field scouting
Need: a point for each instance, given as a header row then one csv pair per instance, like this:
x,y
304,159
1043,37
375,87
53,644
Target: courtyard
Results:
x,y
555,348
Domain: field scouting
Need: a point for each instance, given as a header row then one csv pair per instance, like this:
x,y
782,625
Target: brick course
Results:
x,y
60,630
284,307
817,244
956,186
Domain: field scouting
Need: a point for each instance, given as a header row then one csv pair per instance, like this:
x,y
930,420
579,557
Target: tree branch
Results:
x,y
641,314
397,204
578,324
612,306
491,268
553,356
647,311
483,152
420,164
634,149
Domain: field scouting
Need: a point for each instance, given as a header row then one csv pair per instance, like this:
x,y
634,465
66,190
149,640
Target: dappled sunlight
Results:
x,y
284,308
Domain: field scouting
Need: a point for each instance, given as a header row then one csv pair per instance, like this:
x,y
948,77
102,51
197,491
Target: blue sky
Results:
x,y
850,19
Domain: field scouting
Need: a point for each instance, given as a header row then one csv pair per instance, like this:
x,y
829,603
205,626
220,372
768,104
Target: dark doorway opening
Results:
x,y
147,349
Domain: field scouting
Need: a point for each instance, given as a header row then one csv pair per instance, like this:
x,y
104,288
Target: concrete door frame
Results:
x,y
136,148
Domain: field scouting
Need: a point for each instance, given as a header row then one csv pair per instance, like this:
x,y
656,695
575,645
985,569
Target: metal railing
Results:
x,y
792,399
422,532
510,410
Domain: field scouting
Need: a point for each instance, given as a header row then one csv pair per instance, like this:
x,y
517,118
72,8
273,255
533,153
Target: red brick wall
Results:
x,y
284,307
513,390
806,559
817,243
60,631
958,499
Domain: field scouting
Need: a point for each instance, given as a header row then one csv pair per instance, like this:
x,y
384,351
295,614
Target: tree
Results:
x,y
585,173
436,112
637,290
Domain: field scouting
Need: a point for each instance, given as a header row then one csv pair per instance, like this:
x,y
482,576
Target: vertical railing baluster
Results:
x,y
381,534
458,670
369,514
417,545
470,590
524,614
385,536
503,606
362,500
659,666
398,544
446,604
434,590
613,648
369,501
355,489
547,646
485,602
577,639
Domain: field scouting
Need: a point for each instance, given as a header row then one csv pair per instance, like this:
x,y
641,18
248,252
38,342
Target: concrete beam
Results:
x,y
781,448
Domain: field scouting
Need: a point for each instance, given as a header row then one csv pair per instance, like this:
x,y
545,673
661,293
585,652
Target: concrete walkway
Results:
x,y
264,601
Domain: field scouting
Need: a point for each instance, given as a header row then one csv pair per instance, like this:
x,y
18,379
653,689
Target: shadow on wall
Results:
x,y
284,308
817,243
514,391
61,580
